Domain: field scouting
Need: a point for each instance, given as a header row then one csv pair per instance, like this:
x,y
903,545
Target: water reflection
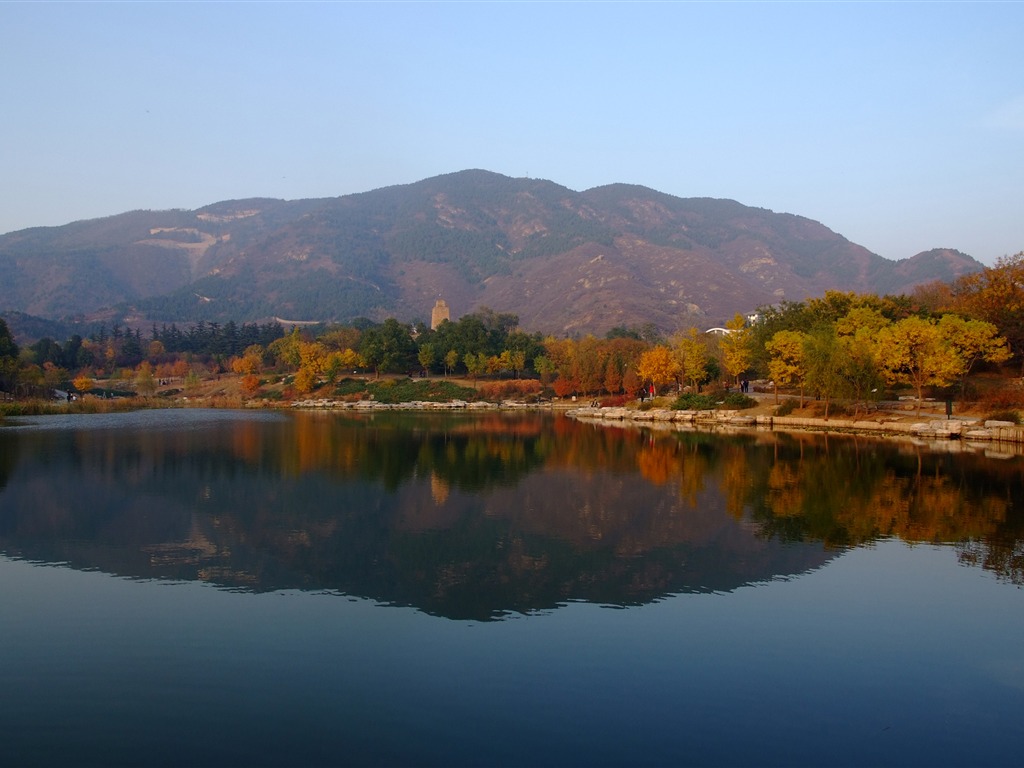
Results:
x,y
477,516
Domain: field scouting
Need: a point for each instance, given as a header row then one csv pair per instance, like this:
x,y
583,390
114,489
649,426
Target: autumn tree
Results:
x,y
590,358
658,366
340,360
692,353
338,339
250,383
517,360
612,376
561,354
973,341
451,359
426,355
861,320
54,377
145,384
286,350
312,365
545,367
786,361
630,379
913,351
476,364
996,295
251,361
933,297
83,383
857,332
624,354
735,346
784,316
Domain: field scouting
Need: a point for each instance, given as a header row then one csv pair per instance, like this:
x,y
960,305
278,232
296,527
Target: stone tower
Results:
x,y
438,314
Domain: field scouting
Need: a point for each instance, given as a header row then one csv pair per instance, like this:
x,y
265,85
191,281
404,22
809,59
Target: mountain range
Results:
x,y
565,262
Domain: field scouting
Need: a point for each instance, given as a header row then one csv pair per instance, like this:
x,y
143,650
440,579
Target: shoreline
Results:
x,y
942,432
932,430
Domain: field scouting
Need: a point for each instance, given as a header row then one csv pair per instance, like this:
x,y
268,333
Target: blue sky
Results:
x,y
898,125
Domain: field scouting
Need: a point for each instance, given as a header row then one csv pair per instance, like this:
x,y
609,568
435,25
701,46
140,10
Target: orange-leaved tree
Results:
x,y
996,295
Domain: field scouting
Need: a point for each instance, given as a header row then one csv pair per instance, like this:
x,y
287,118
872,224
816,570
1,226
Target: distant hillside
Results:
x,y
564,261
27,329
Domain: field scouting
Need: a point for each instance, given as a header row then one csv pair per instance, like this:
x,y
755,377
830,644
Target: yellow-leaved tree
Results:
x,y
340,360
312,364
692,353
658,366
914,351
735,346
83,383
145,383
786,361
857,332
973,341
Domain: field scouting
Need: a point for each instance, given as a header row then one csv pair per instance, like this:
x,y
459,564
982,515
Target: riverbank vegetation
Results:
x,y
962,341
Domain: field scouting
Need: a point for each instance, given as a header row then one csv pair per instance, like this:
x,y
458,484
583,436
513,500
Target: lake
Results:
x,y
197,587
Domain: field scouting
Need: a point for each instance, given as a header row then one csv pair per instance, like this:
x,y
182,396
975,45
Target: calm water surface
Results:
x,y
221,588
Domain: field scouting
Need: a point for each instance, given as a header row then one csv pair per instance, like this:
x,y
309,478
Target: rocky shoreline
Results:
x,y
965,429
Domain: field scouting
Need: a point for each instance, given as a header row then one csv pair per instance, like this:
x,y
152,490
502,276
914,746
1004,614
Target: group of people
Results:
x,y
646,392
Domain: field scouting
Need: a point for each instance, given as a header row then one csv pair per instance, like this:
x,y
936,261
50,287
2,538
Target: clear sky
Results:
x,y
898,125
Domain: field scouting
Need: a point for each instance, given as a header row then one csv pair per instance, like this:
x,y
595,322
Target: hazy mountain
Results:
x,y
564,261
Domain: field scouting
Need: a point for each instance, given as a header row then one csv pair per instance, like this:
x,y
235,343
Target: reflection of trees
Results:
x,y
8,457
471,454
846,491
463,517
472,516
1004,557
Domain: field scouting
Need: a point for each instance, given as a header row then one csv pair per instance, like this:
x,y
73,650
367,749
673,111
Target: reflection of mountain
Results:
x,y
459,516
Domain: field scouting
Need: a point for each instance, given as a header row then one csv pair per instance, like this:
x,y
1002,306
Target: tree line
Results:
x,y
840,346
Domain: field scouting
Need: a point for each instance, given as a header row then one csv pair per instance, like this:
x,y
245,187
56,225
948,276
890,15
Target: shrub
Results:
x,y
1005,415
250,384
738,400
349,386
787,406
616,401
509,390
1002,399
692,401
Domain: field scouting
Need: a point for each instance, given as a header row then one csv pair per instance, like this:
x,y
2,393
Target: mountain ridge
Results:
x,y
566,262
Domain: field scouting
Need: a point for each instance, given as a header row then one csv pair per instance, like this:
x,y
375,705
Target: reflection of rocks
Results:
x,y
475,517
